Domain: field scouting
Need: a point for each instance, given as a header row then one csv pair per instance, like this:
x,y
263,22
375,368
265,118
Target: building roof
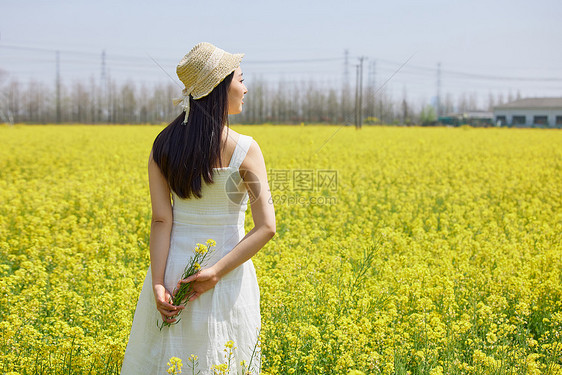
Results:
x,y
471,114
532,103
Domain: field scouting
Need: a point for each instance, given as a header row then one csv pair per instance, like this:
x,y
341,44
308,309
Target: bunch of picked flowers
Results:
x,y
185,291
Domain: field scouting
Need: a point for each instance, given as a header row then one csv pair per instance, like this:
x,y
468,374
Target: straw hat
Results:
x,y
202,69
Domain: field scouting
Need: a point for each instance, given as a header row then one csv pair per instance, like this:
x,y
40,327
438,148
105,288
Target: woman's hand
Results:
x,y
163,303
201,282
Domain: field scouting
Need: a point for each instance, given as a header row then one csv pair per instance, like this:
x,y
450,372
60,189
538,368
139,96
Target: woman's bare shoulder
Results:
x,y
230,139
254,156
232,131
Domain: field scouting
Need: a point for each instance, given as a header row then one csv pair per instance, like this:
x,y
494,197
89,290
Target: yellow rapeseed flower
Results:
x,y
201,249
175,364
398,249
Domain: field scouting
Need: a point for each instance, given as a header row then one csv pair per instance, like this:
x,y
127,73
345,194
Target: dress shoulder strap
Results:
x,y
242,147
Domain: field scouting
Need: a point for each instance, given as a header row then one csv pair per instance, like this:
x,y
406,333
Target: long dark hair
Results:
x,y
186,154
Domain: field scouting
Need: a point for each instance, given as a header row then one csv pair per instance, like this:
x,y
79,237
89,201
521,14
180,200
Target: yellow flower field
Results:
x,y
398,250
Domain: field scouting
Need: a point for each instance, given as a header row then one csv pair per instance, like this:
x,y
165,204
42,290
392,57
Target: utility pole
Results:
x,y
345,87
359,94
372,89
438,104
346,67
59,117
103,86
356,96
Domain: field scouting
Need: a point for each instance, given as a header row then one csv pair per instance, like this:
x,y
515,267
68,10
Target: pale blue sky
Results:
x,y
492,41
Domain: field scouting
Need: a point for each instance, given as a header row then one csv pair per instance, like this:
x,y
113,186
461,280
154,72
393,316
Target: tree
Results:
x,y
428,116
405,108
128,104
463,103
13,102
447,105
473,102
332,103
5,113
491,102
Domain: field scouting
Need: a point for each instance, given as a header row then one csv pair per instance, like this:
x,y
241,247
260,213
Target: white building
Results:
x,y
530,112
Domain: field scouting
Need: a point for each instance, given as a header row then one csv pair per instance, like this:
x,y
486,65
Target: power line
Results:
x,y
38,60
143,62
330,59
475,75
500,78
135,58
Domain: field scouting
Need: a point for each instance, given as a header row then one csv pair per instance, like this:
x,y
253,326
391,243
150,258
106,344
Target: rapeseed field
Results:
x,y
398,250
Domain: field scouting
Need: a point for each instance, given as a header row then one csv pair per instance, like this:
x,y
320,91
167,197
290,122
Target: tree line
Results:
x,y
266,102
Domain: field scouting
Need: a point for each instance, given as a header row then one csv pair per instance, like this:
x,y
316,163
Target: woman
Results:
x,y
208,169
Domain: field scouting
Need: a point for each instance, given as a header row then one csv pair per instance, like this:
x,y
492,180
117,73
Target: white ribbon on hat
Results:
x,y
211,63
184,100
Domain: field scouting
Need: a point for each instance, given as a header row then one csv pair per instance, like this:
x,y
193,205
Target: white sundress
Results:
x,y
228,312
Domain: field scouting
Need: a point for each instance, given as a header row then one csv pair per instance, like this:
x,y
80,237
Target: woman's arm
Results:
x,y
254,173
160,229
